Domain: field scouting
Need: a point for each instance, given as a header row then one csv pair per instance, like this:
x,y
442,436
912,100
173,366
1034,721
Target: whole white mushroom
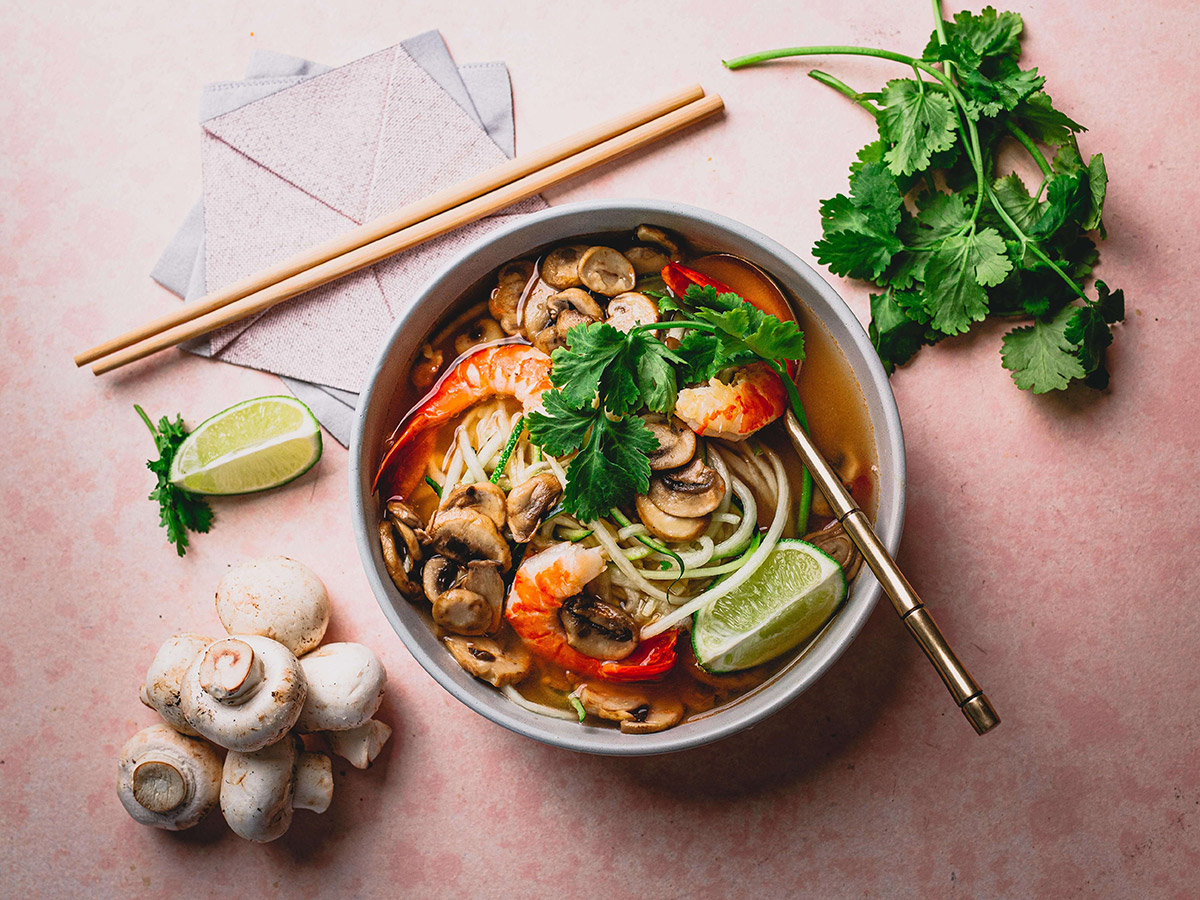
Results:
x,y
164,680
345,687
243,693
166,779
275,597
260,790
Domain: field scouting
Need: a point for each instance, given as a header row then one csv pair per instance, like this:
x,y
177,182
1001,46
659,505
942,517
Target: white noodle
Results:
x,y
518,698
629,531
749,520
474,469
491,449
715,460
609,543
453,470
741,576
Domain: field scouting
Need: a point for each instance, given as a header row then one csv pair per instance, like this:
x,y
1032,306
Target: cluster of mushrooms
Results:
x,y
581,284
253,694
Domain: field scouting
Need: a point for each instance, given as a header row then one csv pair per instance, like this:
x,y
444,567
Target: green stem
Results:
x,y
845,90
939,26
145,418
1033,247
518,427
650,542
1027,142
973,151
806,482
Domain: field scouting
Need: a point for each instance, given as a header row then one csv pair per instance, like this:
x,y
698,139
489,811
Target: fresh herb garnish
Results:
x,y
604,377
947,238
179,512
574,700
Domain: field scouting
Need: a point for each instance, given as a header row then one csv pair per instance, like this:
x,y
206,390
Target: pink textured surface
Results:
x,y
1053,537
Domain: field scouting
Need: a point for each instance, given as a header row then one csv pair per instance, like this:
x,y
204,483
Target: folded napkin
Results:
x,y
297,153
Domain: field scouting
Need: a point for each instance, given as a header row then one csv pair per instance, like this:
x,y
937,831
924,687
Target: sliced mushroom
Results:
x,y
483,497
634,709
676,442
425,372
486,659
400,558
732,681
606,271
529,501
505,301
629,309
694,490
649,234
560,268
646,260
833,540
466,534
598,629
466,600
548,321
481,331
849,470
669,527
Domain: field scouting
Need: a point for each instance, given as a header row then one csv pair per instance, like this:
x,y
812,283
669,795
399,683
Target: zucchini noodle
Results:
x,y
609,542
749,521
518,698
783,508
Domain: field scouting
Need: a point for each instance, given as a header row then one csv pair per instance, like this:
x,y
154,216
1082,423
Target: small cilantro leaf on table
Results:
x,y
178,511
945,235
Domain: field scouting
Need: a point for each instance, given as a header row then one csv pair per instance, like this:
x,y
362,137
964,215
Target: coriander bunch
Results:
x,y
946,238
178,511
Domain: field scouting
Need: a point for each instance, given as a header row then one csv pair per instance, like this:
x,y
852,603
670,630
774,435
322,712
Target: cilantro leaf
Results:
x,y
178,511
578,367
1040,356
655,369
744,331
1013,196
1038,118
1098,187
1088,329
988,34
859,230
701,353
918,120
562,428
955,277
894,332
610,468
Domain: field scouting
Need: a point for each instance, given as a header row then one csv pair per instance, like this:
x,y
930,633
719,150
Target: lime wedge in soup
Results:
x,y
784,603
252,446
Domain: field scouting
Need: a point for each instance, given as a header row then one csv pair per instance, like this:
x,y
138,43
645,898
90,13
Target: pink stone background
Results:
x,y
1054,537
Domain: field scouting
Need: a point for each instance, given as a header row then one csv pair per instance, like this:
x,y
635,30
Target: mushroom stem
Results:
x,y
158,786
314,782
359,746
230,672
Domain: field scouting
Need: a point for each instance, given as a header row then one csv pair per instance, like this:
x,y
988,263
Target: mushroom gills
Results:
x,y
466,534
676,442
833,540
635,710
666,526
629,309
598,629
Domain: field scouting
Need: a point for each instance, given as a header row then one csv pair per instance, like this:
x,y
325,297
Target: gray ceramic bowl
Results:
x,y
376,417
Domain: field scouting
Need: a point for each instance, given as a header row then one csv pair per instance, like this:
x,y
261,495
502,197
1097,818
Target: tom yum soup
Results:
x,y
594,497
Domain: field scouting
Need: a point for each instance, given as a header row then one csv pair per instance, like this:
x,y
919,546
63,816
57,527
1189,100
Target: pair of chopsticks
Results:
x,y
466,202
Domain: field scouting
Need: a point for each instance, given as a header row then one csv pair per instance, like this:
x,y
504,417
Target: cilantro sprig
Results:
x,y
179,512
604,377
946,238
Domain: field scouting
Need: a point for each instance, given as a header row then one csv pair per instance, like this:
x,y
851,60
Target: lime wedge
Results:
x,y
785,602
255,445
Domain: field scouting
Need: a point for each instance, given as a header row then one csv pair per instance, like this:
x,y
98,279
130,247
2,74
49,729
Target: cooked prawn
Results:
x,y
509,370
734,410
540,586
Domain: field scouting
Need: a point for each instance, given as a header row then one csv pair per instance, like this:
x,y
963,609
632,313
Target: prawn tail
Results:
x,y
652,660
404,465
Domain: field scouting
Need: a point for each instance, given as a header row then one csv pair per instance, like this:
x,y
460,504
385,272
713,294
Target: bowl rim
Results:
x,y
822,654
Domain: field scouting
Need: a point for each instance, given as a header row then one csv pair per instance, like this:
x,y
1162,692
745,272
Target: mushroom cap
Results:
x,y
166,779
597,628
693,490
275,597
359,746
668,527
483,497
260,789
244,705
560,268
164,678
505,301
345,687
489,660
529,501
637,711
467,534
676,442
629,309
606,271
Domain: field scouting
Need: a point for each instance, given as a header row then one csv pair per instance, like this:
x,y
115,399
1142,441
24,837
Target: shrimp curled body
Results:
x,y
540,586
753,398
504,370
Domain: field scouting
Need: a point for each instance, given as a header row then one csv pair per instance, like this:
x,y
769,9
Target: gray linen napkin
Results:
x,y
481,89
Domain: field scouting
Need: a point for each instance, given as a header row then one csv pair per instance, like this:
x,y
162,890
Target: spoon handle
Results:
x,y
965,690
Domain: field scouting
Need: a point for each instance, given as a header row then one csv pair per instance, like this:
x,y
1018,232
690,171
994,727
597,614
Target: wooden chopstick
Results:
x,y
404,217
371,253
